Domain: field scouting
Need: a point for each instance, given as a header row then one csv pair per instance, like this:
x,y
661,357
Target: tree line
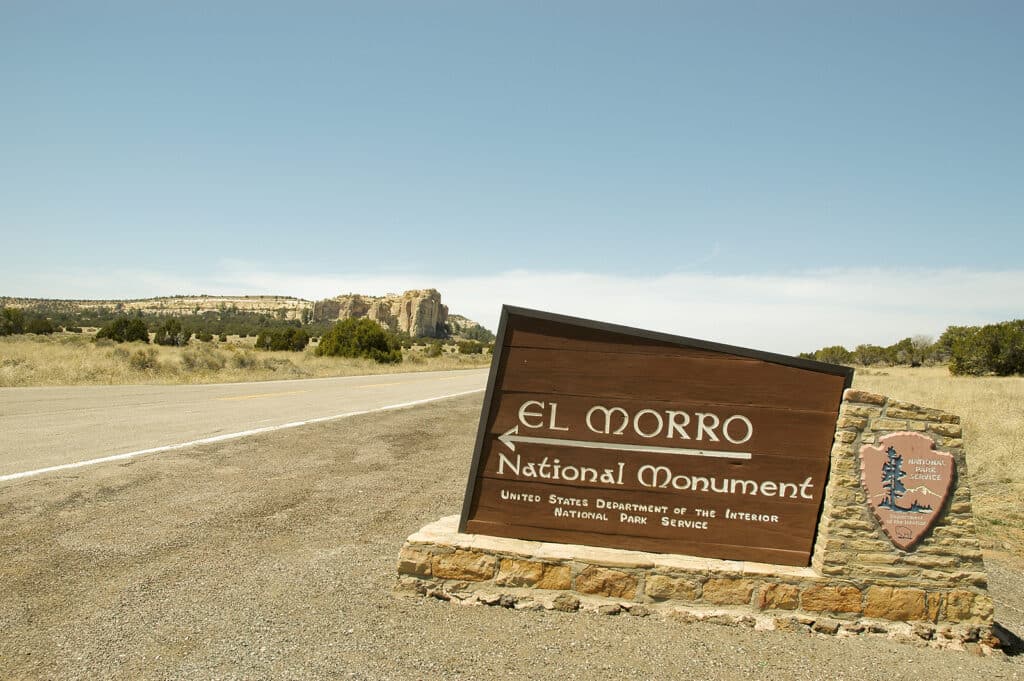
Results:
x,y
968,350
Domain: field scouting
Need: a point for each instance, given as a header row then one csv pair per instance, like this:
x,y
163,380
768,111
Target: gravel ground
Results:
x,y
274,557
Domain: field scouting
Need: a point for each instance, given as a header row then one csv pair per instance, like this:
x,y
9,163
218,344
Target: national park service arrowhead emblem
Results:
x,y
907,483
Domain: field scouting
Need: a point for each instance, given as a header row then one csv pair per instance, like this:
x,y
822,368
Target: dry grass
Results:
x,y
73,359
993,419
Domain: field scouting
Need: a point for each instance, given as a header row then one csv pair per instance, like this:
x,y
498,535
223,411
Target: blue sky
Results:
x,y
709,161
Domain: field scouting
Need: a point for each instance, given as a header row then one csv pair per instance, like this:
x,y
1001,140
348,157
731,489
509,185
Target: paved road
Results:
x,y
41,427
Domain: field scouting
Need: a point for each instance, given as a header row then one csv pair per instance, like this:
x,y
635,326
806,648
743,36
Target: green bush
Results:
x,y
12,321
204,336
360,338
283,338
39,325
124,330
223,338
835,354
73,329
434,349
470,347
478,333
171,332
992,349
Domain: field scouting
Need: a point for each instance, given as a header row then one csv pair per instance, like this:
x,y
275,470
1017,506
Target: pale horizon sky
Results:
x,y
780,176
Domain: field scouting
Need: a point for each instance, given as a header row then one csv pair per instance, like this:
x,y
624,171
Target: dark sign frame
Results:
x,y
489,403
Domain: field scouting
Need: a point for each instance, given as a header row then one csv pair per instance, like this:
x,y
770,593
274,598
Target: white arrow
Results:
x,y
511,437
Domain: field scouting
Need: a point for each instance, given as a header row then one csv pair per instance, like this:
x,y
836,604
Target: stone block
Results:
x,y
863,396
845,436
863,412
663,587
900,412
931,561
727,591
888,424
512,572
604,582
893,603
947,429
471,566
778,597
849,421
414,562
821,598
555,577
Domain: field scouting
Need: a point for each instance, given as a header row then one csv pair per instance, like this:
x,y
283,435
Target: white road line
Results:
x,y
229,436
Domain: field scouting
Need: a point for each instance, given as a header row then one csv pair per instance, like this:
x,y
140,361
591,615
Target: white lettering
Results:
x,y
706,423
523,414
608,419
657,418
745,421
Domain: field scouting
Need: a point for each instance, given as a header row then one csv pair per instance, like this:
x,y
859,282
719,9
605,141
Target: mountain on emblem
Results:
x,y
907,484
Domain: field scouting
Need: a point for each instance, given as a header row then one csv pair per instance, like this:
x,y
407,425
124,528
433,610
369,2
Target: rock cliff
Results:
x,y
417,312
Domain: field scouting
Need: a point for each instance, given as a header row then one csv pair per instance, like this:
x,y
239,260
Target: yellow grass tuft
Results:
x,y
75,359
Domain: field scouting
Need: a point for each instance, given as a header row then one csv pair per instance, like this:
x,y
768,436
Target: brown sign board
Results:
x,y
611,436
907,484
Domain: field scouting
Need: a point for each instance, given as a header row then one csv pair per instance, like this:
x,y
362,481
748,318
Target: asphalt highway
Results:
x,y
43,427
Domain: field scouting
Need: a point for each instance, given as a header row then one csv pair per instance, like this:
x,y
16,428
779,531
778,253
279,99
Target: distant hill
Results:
x,y
419,313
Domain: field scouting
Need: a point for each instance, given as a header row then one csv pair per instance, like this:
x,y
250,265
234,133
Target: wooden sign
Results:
x,y
907,484
612,436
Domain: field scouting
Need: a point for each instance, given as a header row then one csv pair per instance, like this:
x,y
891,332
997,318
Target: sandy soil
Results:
x,y
274,557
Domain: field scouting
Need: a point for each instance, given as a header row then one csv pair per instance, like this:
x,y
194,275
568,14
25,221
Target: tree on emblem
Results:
x,y
892,474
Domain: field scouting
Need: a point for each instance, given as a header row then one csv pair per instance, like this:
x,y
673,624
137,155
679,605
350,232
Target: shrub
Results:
x,y
223,338
12,321
203,359
282,338
73,329
204,336
144,359
835,354
40,326
124,330
434,349
244,360
990,349
172,333
478,333
470,347
360,338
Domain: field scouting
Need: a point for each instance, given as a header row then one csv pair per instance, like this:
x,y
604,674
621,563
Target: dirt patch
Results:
x,y
274,557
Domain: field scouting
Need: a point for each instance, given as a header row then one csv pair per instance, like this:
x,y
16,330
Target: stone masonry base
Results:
x,y
467,569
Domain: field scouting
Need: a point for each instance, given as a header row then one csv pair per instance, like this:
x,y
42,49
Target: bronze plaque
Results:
x,y
907,484
611,436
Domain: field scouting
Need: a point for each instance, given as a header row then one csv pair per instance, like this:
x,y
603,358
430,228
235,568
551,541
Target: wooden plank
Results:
x,y
578,467
718,519
776,432
541,334
665,379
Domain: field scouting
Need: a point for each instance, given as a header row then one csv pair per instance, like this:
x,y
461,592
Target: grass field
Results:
x,y
74,359
992,412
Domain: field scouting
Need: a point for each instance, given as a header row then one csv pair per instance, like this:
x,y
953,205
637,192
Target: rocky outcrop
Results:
x,y
417,312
